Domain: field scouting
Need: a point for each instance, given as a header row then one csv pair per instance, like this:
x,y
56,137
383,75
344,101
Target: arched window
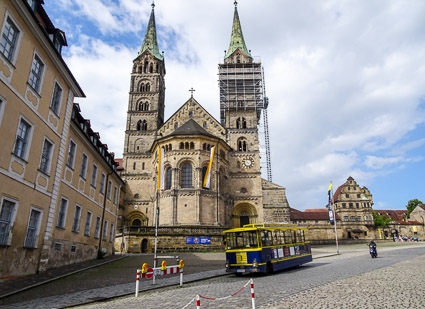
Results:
x,y
144,106
190,114
168,179
142,87
170,147
134,165
186,180
241,123
140,106
157,68
143,165
205,125
146,66
192,145
181,146
148,87
186,145
242,145
151,68
204,172
142,125
204,146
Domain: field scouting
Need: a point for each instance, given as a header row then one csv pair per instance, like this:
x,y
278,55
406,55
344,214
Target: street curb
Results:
x,y
59,277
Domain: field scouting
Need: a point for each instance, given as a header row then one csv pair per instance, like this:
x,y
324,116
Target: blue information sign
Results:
x,y
198,240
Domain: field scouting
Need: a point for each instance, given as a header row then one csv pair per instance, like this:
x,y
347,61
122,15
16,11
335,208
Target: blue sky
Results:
x,y
345,80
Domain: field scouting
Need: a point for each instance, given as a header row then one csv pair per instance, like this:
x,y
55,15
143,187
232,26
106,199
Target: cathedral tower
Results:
x,y
241,102
147,91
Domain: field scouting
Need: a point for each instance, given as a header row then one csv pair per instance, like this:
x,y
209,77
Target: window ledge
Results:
x,y
44,173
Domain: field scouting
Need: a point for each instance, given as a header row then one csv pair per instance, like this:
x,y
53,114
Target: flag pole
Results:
x,y
159,187
334,212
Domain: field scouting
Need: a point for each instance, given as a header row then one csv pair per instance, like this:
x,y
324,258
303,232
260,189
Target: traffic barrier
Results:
x,y
146,272
198,297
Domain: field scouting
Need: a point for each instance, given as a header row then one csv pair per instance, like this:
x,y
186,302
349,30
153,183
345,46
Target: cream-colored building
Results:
x,y
354,218
37,91
237,194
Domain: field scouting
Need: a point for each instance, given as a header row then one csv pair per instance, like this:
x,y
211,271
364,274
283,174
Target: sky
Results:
x,y
345,81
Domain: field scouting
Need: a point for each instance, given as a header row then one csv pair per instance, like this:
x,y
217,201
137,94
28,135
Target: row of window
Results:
x,y
63,209
8,48
351,205
358,218
143,106
83,172
186,176
146,68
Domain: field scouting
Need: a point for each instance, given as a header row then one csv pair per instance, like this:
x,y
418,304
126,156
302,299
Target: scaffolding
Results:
x,y
242,88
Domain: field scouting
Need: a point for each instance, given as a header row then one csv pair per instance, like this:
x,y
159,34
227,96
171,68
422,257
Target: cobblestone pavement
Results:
x,y
283,285
401,285
350,281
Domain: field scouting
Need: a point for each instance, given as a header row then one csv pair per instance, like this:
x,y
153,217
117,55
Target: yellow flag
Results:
x,y
206,183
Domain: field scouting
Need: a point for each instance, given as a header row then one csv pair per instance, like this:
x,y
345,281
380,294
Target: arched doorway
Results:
x,y
244,213
144,246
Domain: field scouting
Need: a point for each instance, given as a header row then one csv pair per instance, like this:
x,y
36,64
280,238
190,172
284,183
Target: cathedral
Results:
x,y
187,208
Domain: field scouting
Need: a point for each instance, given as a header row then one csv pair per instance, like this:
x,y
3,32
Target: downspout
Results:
x,y
99,250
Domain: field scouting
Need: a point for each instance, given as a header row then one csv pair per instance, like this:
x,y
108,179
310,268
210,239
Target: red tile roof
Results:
x,y
337,193
310,214
317,210
397,216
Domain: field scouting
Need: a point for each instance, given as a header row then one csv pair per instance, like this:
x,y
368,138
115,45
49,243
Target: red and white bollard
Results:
x,y
252,294
137,283
198,302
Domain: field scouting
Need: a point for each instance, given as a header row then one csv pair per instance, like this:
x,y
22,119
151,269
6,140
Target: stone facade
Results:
x,y
237,194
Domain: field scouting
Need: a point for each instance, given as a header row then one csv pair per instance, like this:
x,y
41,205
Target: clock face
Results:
x,y
248,162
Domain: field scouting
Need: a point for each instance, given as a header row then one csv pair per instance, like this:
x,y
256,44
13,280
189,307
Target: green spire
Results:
x,y
151,43
237,40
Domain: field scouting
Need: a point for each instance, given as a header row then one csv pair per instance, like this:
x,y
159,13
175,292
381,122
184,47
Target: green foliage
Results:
x,y
381,220
411,205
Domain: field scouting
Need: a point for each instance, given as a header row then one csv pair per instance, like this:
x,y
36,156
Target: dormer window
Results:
x,y
32,4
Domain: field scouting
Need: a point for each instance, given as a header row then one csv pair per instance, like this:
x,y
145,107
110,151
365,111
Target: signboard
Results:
x,y
198,240
280,250
149,273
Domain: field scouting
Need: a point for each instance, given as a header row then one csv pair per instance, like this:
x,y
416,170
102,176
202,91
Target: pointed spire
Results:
x,y
237,40
150,42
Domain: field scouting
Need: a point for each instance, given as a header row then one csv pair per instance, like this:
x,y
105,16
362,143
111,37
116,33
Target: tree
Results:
x,y
411,205
381,220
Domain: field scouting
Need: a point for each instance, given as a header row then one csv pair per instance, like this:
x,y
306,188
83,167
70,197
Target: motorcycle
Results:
x,y
372,251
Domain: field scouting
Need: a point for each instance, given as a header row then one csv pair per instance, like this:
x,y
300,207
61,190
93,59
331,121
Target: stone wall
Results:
x,y
170,239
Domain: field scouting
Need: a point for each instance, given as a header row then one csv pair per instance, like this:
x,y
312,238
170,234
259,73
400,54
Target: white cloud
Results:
x,y
345,80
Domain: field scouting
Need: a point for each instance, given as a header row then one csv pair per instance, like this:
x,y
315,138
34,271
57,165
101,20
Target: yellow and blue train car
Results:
x,y
266,247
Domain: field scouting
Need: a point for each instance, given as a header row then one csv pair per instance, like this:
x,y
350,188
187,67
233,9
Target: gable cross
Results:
x,y
191,92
